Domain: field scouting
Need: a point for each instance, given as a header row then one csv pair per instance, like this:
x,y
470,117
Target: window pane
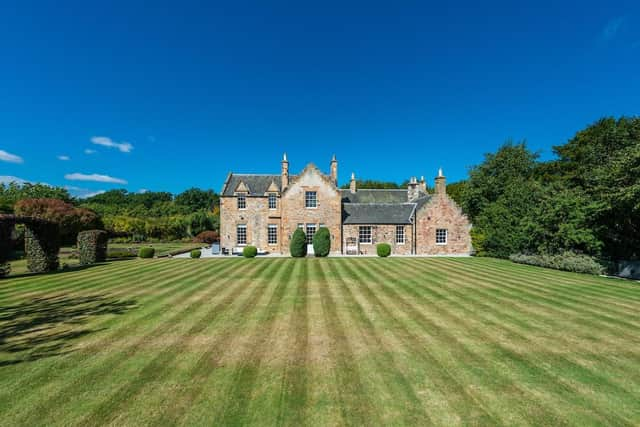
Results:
x,y
365,234
273,201
311,231
242,201
441,236
310,199
400,234
241,235
272,234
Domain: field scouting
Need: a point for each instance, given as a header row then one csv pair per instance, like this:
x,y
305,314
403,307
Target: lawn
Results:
x,y
338,341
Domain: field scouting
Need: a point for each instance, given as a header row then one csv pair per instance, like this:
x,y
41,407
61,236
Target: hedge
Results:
x,y
146,252
6,227
196,253
322,242
383,249
92,246
298,245
42,244
249,252
567,261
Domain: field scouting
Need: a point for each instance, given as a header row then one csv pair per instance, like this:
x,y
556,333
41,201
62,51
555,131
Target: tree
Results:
x,y
196,199
70,220
298,245
13,192
322,242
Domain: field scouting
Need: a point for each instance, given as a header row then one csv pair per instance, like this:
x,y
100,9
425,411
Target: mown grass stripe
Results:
x,y
101,372
208,361
160,365
396,383
354,407
294,385
461,402
236,403
530,371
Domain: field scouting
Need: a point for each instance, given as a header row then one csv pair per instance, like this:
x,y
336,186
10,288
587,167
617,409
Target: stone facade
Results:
x,y
279,203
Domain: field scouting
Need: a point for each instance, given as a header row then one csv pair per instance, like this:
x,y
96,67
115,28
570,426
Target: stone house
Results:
x,y
264,211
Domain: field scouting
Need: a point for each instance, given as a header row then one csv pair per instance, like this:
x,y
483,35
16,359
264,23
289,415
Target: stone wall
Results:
x,y
380,234
328,212
257,216
442,212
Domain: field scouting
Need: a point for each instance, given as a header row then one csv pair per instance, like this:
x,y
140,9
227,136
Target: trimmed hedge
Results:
x,y
92,246
146,252
322,242
383,250
196,253
42,244
5,246
567,261
298,245
119,254
250,252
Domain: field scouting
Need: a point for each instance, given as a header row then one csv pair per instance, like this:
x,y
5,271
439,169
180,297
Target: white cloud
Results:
x,y
6,179
142,191
11,158
94,177
89,151
82,193
612,28
124,147
64,158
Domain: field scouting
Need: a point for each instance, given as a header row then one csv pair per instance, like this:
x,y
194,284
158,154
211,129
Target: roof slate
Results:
x,y
374,196
377,213
258,184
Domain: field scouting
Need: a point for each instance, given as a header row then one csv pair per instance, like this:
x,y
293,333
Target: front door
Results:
x,y
310,231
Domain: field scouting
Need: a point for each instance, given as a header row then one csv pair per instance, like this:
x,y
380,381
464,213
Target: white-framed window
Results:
x,y
441,236
272,234
310,199
241,234
273,201
364,234
242,201
311,231
400,234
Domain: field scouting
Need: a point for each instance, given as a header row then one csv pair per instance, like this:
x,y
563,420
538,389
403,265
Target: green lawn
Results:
x,y
284,341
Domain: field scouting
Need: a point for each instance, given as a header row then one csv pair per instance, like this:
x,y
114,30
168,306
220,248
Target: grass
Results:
x,y
319,342
19,267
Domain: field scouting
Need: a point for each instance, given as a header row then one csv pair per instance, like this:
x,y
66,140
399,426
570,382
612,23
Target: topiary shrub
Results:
x,y
322,242
42,244
567,261
146,252
92,246
6,227
383,250
196,253
250,252
298,245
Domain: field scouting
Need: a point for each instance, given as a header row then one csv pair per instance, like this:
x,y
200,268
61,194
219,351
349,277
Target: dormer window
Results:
x,y
273,201
242,201
310,199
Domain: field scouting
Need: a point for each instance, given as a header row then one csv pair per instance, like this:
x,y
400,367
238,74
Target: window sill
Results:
x,y
441,244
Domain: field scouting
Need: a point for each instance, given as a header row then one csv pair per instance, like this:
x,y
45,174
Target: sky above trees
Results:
x,y
170,96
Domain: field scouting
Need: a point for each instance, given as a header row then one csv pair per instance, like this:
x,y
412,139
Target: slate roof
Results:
x,y
257,183
374,196
377,213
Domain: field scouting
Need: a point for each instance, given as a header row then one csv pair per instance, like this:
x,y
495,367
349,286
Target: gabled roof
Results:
x,y
257,184
377,213
374,196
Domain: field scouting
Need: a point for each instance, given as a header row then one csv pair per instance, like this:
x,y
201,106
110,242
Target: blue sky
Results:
x,y
170,96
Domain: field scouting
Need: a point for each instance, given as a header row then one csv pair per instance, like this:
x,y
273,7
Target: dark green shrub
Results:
x,y
5,246
196,253
42,244
383,249
298,245
119,254
146,252
567,261
92,246
322,242
249,252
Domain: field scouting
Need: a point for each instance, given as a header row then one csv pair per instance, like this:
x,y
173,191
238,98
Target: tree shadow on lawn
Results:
x,y
47,326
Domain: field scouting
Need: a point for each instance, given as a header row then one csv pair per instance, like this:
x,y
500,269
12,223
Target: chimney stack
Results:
x,y
284,174
423,185
441,183
334,170
413,191
352,184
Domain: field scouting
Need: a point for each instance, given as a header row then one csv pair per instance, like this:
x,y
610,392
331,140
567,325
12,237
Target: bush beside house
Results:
x,y
298,245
